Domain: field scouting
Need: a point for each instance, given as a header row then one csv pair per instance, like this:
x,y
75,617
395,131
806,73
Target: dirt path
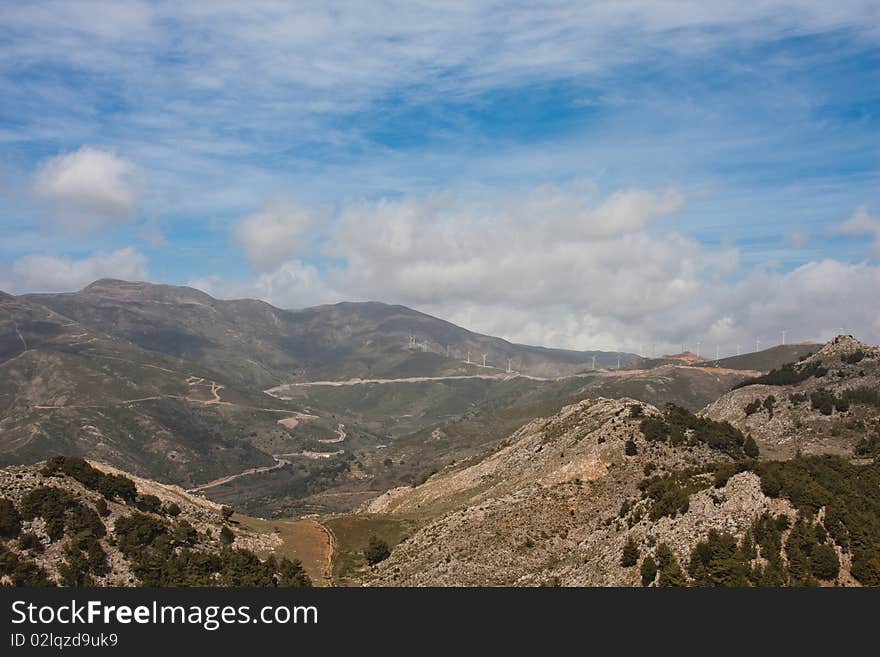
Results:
x,y
331,550
279,463
278,391
340,436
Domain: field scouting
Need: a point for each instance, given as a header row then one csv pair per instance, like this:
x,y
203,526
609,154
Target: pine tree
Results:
x,y
648,570
630,556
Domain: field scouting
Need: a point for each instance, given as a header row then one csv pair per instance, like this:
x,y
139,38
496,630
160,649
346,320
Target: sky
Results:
x,y
632,175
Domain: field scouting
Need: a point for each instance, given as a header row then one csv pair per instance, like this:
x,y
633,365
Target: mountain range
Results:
x,y
426,466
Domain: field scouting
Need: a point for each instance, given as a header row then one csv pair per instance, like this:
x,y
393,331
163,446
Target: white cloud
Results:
x,y
39,273
87,186
293,284
562,266
278,233
863,223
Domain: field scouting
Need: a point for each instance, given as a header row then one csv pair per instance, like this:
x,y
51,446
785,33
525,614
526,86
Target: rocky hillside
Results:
x,y
618,493
74,523
825,403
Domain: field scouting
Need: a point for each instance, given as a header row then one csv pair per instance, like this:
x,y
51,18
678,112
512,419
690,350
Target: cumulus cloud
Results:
x,y
87,186
863,223
278,233
39,273
562,266
293,284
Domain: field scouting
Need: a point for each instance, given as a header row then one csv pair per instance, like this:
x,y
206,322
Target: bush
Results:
x,y
108,485
752,407
787,375
677,423
377,550
112,486
670,572
226,535
138,531
10,519
854,357
630,448
648,570
823,401
184,533
670,494
31,542
22,572
82,519
172,509
750,448
824,563
630,556
719,561
291,573
149,503
49,503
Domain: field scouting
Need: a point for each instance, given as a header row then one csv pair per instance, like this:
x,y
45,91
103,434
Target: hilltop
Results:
x,y
827,402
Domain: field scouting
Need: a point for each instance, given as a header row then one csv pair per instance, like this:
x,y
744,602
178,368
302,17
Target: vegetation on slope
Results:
x,y
157,544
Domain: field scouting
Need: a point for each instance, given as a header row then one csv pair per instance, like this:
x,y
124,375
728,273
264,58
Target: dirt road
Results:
x,y
279,463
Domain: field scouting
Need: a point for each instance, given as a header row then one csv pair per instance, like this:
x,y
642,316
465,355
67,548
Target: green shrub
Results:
x,y
149,503
10,519
377,550
31,542
824,562
752,407
670,572
719,561
226,536
22,571
630,555
630,448
138,531
648,571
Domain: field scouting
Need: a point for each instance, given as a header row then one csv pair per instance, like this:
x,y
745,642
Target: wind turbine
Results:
x,y
594,361
757,344
508,365
484,360
468,357
699,344
618,360
783,336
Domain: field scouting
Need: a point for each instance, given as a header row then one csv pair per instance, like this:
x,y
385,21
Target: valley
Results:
x,y
350,434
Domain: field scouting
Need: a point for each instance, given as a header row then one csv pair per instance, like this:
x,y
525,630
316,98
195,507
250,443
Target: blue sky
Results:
x,y
574,174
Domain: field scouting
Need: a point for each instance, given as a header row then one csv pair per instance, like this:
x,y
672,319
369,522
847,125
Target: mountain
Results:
x,y
76,523
825,403
619,493
265,346
763,361
69,388
168,383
